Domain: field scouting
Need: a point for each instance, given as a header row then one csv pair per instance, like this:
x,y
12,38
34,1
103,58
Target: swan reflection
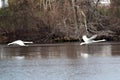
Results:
x,y
18,57
95,50
84,55
60,51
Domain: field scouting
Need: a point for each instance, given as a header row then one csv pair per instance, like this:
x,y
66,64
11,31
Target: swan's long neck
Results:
x,y
27,42
100,40
9,44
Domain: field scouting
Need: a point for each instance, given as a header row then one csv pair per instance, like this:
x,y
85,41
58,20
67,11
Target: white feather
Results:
x,y
90,40
19,42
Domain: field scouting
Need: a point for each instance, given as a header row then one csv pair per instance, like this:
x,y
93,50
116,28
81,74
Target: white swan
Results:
x,y
19,43
90,40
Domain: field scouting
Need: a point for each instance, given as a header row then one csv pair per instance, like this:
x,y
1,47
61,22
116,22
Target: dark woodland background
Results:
x,y
49,21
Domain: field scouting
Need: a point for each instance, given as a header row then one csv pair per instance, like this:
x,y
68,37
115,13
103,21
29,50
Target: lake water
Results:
x,y
66,61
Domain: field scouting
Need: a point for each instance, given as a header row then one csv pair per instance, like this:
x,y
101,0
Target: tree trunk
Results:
x,y
75,15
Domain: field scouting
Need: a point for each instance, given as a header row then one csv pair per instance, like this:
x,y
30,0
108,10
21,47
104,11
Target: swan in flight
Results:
x,y
19,43
90,40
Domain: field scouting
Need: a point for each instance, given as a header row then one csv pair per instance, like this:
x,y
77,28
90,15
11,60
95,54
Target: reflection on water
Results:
x,y
68,61
60,51
98,50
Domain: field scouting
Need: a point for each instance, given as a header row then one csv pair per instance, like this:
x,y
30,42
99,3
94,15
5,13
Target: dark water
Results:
x,y
68,61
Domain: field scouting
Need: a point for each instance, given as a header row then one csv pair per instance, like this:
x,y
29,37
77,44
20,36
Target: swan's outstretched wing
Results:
x,y
84,37
17,42
93,37
14,42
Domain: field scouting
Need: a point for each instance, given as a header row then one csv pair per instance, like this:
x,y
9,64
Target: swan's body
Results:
x,y
19,43
90,40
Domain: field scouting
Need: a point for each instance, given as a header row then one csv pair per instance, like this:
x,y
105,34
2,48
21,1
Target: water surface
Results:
x,y
66,61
